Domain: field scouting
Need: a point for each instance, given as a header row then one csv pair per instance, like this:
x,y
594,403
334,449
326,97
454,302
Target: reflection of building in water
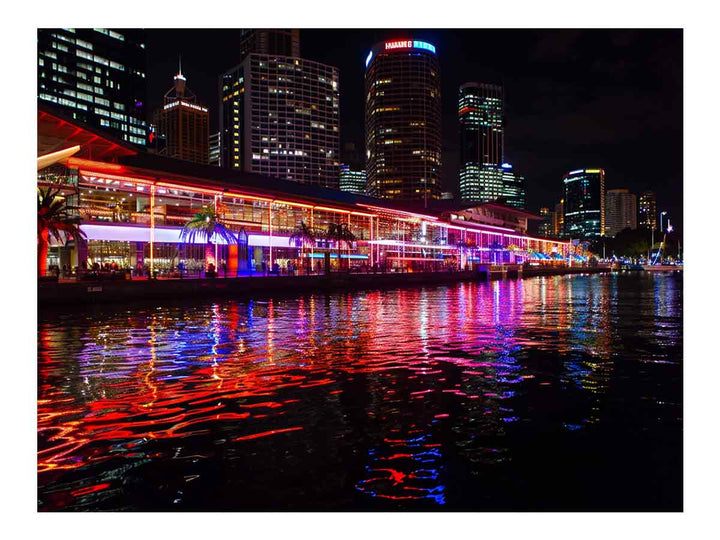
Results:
x,y
591,337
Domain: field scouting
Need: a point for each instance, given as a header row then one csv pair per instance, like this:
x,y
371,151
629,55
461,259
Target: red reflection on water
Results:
x,y
133,386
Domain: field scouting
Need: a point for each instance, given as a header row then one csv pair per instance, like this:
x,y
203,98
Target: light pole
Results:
x,y
652,236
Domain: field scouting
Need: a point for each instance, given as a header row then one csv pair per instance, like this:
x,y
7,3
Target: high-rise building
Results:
x,y
513,187
96,76
351,180
484,176
481,116
184,123
282,42
559,223
584,203
546,226
280,116
403,120
214,149
647,210
620,211
492,183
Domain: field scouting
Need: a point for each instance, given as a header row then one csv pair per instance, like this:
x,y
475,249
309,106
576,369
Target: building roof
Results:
x,y
56,131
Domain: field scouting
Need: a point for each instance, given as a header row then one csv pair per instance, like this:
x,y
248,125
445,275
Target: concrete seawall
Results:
x,y
102,292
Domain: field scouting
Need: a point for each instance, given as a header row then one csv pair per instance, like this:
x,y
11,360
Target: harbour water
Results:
x,y
556,393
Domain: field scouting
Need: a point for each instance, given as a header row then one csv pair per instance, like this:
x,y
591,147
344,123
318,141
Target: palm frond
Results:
x,y
53,217
204,225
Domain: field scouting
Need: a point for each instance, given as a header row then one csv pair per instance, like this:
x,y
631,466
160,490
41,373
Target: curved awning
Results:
x,y
56,157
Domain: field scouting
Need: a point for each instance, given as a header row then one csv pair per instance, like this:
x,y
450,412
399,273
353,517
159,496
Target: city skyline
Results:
x,y
606,98
360,270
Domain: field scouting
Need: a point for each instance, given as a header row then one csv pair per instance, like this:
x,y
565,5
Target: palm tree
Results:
x,y
340,233
204,225
52,219
303,235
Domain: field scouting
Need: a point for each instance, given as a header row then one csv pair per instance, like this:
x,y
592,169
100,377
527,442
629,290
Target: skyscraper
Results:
x,y
280,116
513,187
214,149
403,121
484,176
351,180
620,211
647,209
480,111
97,76
184,123
584,203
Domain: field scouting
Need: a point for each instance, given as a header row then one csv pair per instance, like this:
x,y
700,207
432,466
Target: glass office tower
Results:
x,y
584,203
96,76
403,121
480,113
351,180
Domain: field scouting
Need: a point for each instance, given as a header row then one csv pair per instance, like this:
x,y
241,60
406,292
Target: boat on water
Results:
x,y
662,268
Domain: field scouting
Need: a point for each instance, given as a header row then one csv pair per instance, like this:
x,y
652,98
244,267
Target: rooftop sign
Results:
x,y
409,44
402,44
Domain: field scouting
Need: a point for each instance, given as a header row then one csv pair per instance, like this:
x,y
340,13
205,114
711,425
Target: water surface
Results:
x,y
561,393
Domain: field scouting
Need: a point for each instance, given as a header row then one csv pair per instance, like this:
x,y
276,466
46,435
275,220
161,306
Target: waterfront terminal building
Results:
x,y
133,206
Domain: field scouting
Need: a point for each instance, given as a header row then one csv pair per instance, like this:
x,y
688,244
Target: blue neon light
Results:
x,y
367,60
424,45
506,166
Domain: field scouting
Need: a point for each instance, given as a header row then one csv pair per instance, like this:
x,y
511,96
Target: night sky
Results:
x,y
574,98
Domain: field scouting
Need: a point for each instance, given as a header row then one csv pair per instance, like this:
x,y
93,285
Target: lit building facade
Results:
x,y
403,121
481,117
584,203
352,180
513,185
183,121
214,149
489,183
133,207
280,117
620,211
647,210
96,76
546,226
